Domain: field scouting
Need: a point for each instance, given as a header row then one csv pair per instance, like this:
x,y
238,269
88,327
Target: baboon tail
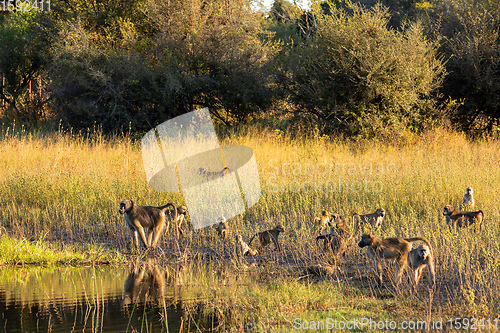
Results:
x,y
423,239
355,225
251,239
164,208
320,237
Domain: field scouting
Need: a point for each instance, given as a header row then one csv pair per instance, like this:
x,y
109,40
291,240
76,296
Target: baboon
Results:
x,y
318,270
181,213
374,219
339,233
340,227
457,218
321,223
213,174
153,219
268,236
176,221
468,199
242,249
396,248
222,228
420,258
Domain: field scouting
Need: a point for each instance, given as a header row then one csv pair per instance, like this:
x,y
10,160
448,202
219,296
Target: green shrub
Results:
x,y
358,76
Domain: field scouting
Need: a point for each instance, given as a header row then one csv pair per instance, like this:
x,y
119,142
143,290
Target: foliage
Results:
x,y
189,54
470,42
72,198
358,76
350,66
24,44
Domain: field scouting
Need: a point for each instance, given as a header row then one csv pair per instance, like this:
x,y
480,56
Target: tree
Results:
x,y
359,76
469,34
180,55
24,48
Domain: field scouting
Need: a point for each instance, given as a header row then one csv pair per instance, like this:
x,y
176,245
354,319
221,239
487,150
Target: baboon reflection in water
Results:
x,y
148,281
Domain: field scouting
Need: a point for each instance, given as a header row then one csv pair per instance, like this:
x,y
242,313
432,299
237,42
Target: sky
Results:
x,y
302,3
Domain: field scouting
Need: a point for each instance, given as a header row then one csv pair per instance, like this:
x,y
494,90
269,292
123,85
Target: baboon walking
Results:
x,y
420,258
457,218
268,236
396,249
151,219
374,219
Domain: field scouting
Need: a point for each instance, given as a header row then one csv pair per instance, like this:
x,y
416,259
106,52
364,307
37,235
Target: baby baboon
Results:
x,y
268,236
374,219
213,174
420,258
176,222
468,199
396,248
457,218
242,249
222,228
181,213
153,219
322,222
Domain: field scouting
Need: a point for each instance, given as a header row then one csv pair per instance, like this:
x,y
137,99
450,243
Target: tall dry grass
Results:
x,y
70,186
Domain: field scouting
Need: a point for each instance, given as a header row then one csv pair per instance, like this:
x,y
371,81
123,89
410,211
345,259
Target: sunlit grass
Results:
x,y
21,251
15,251
66,188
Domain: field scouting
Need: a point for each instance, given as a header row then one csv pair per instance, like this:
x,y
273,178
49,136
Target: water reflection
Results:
x,y
148,281
140,298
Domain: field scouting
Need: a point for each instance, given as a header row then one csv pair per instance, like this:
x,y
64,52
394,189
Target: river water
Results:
x,y
140,298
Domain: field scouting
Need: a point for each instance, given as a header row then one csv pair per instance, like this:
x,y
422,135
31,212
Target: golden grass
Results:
x,y
70,187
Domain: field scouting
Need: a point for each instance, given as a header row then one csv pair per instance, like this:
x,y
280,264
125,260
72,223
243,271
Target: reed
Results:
x,y
68,187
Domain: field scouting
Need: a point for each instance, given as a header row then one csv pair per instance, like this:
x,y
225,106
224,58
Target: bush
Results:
x,y
470,42
135,75
357,76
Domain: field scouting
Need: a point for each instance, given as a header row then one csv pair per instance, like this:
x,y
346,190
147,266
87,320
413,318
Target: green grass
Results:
x,y
15,251
65,189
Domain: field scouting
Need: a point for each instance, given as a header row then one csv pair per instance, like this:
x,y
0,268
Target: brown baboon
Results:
x,y
153,219
213,174
374,219
268,236
338,236
396,248
176,222
222,228
420,258
321,223
181,213
457,218
318,270
242,249
468,199
340,227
